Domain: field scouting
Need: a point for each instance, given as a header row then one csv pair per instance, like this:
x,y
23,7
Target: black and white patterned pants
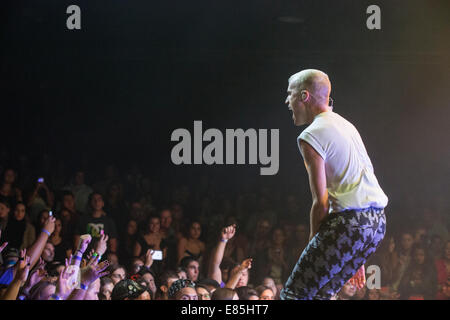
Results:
x,y
344,242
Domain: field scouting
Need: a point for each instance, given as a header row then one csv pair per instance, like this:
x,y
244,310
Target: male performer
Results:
x,y
347,214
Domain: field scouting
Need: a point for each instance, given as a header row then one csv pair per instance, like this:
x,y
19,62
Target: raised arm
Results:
x,y
35,251
22,269
217,256
315,166
237,272
89,274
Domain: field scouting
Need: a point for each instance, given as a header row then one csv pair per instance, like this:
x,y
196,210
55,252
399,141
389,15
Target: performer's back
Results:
x,y
351,182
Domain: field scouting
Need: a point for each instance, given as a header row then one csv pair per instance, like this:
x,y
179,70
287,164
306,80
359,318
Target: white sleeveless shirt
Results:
x,y
351,182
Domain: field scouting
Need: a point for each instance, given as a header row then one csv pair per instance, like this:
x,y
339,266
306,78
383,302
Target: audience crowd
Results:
x,y
124,235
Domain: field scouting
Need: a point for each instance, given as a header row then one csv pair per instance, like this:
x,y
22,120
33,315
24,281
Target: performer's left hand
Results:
x,y
359,279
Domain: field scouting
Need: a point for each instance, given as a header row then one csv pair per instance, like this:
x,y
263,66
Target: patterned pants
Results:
x,y
344,242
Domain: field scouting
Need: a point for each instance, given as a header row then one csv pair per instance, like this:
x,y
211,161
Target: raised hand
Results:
x,y
359,279
102,245
23,267
85,239
92,272
148,258
49,224
228,232
38,274
246,264
63,286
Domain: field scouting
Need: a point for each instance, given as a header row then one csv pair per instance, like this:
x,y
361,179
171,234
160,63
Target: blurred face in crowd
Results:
x,y
69,202
243,280
93,290
225,272
114,191
151,282
278,237
137,264
154,225
166,219
192,270
186,294
203,294
58,226
65,215
106,290
268,282
49,252
144,296
391,244
79,178
195,230
419,256
420,235
97,202
118,275
347,291
4,210
266,295
10,176
177,211
407,241
19,212
44,217
131,227
263,228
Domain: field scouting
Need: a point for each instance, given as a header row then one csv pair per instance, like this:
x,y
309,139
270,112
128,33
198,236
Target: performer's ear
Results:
x,y
304,95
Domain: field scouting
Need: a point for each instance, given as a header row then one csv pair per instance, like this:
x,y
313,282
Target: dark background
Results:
x,y
114,91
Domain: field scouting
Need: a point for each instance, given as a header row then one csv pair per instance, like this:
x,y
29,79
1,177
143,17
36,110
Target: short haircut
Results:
x,y
246,292
223,294
163,279
260,289
186,261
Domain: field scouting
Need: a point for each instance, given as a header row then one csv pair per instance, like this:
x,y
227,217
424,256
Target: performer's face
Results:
x,y
296,105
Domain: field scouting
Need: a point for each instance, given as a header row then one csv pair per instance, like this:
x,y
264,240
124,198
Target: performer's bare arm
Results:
x,y
315,166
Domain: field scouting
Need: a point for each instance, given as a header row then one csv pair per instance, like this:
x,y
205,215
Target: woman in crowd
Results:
x,y
9,189
151,239
63,248
265,293
19,232
419,280
190,245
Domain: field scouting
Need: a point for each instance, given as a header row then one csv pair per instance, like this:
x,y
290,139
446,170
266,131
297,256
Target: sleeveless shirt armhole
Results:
x,y
306,136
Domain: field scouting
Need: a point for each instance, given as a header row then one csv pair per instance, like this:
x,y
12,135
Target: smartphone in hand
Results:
x,y
157,255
